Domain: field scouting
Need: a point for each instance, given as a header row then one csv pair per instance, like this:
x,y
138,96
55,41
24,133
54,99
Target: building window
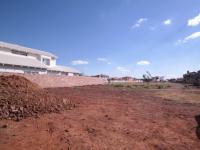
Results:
x,y
46,61
19,53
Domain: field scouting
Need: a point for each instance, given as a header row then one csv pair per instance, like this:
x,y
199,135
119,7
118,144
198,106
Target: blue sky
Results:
x,y
114,37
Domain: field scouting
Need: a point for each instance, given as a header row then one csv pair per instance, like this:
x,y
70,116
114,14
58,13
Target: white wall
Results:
x,y
9,52
18,69
30,55
70,74
35,56
53,62
11,70
60,73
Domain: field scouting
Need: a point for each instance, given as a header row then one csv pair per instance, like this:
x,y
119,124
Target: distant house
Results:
x,y
115,79
101,76
157,79
128,79
19,59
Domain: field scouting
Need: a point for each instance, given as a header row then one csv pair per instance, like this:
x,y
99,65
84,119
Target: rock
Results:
x,y
4,126
90,130
21,109
12,107
66,130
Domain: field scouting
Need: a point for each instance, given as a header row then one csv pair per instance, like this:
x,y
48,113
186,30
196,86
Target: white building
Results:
x,y
19,59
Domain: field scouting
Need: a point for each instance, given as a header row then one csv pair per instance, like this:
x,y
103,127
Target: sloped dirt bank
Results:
x,y
20,98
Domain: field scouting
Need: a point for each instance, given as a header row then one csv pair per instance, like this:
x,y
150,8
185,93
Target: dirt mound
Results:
x,y
20,98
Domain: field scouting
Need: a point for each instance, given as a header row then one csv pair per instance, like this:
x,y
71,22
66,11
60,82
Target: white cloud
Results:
x,y
167,22
139,22
178,42
194,21
193,36
143,63
79,62
123,69
104,60
101,59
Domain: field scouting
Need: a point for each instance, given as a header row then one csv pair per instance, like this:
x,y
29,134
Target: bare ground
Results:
x,y
110,118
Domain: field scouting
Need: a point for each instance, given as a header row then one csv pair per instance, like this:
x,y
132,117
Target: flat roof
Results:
x,y
25,49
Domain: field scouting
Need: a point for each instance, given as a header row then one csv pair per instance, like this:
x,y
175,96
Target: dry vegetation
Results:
x,y
141,85
175,92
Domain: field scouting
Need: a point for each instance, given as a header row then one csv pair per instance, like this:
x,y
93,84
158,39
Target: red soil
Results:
x,y
107,118
20,98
